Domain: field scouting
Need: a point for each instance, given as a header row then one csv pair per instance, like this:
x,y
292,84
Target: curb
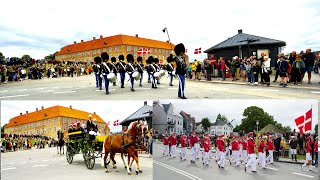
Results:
x,y
276,86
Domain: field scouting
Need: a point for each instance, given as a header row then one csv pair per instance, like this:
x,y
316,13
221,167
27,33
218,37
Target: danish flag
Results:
x,y
197,51
116,123
144,51
304,123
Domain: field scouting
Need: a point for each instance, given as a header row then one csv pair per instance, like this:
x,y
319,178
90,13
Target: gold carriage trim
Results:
x,y
73,133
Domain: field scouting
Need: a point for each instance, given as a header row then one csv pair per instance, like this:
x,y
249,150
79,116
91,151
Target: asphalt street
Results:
x,y
47,164
83,88
166,167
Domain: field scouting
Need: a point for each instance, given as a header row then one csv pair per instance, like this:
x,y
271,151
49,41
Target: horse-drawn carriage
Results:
x,y
90,147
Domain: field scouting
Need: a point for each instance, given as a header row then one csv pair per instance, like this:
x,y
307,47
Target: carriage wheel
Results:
x,y
69,154
89,158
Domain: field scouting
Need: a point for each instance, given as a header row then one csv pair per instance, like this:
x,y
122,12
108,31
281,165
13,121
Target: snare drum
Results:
x,y
111,77
162,73
136,76
157,75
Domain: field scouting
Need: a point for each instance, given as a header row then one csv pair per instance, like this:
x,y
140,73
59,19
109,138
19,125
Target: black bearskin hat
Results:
x,y
139,59
150,59
105,56
121,57
170,58
97,59
179,48
113,59
130,58
156,60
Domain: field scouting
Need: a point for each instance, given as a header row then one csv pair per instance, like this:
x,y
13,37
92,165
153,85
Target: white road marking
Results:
x,y
65,163
172,88
315,92
44,160
99,90
272,168
63,92
38,88
177,170
23,162
303,175
144,88
33,161
41,165
4,91
8,168
22,95
83,86
11,163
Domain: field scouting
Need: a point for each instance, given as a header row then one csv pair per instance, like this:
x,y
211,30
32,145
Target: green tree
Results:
x,y
49,57
26,57
221,117
253,114
1,56
286,128
316,129
236,129
2,128
206,123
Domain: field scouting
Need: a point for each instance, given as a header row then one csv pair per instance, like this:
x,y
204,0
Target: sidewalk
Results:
x,y
315,79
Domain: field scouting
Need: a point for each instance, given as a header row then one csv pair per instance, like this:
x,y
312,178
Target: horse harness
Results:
x,y
125,143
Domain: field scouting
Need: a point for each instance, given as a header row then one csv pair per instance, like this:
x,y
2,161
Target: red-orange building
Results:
x,y
46,122
85,51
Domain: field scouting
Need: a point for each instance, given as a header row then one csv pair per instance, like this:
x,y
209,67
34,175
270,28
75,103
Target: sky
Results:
x,y
283,111
40,28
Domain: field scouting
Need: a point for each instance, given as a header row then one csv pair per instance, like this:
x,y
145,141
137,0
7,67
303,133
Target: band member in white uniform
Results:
x,y
157,66
122,70
151,69
130,70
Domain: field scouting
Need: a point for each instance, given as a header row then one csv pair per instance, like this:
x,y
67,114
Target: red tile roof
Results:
x,y
51,112
116,40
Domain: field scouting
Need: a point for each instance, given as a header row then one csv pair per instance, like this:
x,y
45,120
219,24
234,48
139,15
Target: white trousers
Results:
x,y
221,161
206,157
173,150
270,157
244,156
193,154
183,153
227,153
197,152
166,150
262,159
217,155
252,162
235,157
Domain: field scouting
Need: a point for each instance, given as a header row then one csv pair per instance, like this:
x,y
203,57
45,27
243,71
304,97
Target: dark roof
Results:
x,y
221,123
185,115
139,114
166,107
234,41
270,128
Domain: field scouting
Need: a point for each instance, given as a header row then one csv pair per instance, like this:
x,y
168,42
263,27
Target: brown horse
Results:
x,y
124,143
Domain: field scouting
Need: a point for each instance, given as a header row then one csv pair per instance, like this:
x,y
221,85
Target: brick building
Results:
x,y
46,122
85,51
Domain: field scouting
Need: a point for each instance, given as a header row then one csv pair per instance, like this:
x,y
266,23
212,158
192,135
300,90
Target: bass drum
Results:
x,y
112,77
157,75
136,76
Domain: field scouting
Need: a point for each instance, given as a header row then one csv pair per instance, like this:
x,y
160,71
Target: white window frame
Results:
x,y
128,48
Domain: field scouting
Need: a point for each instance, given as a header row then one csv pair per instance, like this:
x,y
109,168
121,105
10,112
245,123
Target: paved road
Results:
x,y
83,87
168,167
47,164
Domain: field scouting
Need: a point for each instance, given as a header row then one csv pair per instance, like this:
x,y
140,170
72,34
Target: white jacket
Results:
x,y
266,66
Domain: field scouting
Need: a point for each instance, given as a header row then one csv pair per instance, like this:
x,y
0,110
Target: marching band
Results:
x,y
176,68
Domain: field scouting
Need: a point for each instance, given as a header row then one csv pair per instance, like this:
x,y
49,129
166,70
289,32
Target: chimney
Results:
x,y
145,103
94,113
27,112
101,36
81,41
36,109
137,35
20,114
94,38
70,107
74,42
239,31
42,107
